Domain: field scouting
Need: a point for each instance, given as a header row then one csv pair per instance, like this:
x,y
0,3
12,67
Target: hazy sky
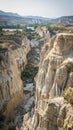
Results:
x,y
47,8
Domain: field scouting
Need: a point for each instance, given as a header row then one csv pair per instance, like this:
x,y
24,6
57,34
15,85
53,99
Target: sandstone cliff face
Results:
x,y
54,87
43,32
12,61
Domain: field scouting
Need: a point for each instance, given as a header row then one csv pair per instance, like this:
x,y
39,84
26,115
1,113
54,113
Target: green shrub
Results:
x,y
2,117
68,95
1,57
69,67
29,72
12,127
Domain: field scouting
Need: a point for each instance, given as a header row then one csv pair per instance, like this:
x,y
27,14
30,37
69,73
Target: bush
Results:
x,y
69,67
1,46
1,57
2,117
29,72
12,127
68,95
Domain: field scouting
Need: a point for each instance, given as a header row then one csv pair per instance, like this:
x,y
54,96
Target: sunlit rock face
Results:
x,y
12,62
53,71
42,31
54,87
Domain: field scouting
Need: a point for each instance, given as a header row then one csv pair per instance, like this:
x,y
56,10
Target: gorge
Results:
x,y
48,104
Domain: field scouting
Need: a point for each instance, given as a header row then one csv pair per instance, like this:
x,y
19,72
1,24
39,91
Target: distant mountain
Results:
x,y
37,17
64,20
9,18
9,14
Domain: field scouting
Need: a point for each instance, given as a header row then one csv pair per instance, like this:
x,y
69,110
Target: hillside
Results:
x,y
12,18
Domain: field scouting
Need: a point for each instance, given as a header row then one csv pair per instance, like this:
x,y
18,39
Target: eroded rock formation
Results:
x,y
43,31
54,87
12,62
36,45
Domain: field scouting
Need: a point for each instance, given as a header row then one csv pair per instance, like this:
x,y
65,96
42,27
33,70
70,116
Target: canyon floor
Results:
x,y
26,105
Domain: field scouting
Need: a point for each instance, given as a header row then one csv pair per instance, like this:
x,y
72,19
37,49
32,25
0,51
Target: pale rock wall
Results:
x,y
53,106
13,62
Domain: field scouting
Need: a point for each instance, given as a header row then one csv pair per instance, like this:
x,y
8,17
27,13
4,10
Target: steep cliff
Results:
x,y
54,87
12,62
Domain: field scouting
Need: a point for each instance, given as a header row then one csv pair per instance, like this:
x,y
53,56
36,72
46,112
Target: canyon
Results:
x,y
15,95
47,102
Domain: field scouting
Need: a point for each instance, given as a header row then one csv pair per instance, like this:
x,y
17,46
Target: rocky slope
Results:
x,y
54,87
12,62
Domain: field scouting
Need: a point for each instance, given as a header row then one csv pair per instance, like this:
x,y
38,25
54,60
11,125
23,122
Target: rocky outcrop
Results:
x,y
54,87
43,31
12,62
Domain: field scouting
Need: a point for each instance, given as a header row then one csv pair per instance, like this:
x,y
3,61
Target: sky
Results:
x,y
45,8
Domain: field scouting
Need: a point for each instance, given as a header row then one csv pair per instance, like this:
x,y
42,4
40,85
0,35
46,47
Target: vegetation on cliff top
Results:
x,y
28,31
